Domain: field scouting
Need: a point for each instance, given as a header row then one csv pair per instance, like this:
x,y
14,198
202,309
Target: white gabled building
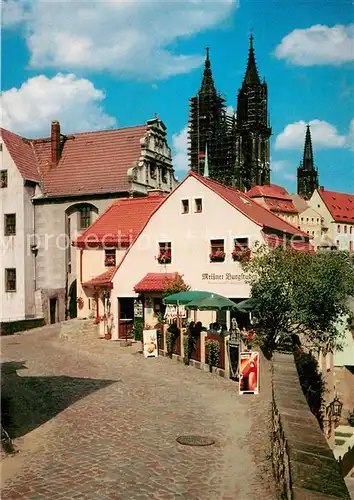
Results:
x,y
337,211
198,219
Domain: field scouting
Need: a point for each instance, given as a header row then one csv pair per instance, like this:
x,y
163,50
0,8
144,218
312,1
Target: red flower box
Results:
x,y
164,257
217,256
239,254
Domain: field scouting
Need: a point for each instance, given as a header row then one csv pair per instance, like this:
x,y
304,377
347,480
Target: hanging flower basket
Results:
x,y
80,303
240,254
164,257
217,256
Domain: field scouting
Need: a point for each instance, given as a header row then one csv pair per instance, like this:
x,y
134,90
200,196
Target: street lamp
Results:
x,y
335,408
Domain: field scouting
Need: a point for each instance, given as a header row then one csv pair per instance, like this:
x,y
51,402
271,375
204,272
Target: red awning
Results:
x,y
155,282
101,280
296,244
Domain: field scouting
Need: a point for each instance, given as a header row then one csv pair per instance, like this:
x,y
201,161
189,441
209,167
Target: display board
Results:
x,y
249,372
150,343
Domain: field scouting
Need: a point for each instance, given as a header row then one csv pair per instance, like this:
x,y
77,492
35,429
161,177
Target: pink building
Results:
x,y
133,249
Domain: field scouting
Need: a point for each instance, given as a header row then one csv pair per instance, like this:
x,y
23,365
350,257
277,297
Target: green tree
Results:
x,y
175,285
299,293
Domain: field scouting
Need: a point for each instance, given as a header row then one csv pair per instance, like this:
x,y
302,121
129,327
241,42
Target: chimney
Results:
x,y
55,143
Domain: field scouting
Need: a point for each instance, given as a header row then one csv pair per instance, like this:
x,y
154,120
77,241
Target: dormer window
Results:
x,y
185,206
198,205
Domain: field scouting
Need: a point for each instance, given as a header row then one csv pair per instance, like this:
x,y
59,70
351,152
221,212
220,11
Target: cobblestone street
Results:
x,y
98,421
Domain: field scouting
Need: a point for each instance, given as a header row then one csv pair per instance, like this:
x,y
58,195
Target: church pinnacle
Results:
x,y
251,76
207,82
307,175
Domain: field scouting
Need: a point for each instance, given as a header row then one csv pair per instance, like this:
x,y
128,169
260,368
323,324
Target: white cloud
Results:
x,y
318,45
324,135
13,12
131,38
75,102
179,148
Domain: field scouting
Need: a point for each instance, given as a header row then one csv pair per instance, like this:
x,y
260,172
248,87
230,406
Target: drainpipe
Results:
x,y
81,255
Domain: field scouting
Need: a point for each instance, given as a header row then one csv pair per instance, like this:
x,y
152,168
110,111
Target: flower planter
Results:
x,y
217,259
241,254
217,256
163,260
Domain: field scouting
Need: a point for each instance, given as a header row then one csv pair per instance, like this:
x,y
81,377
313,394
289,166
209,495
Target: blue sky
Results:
x,y
95,65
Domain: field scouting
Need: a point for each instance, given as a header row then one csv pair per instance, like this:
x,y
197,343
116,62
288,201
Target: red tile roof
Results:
x,y
95,162
250,208
280,205
275,241
275,197
103,279
155,282
340,205
90,163
22,153
121,223
269,191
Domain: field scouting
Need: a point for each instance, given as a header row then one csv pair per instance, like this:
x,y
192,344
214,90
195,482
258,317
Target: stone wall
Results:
x,y
304,465
11,327
78,328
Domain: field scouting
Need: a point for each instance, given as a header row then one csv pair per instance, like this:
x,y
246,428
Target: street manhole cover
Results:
x,y
195,440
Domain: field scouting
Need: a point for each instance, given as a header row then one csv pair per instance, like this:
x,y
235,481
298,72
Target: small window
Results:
x,y
3,178
109,258
350,246
165,253
313,233
318,206
241,242
312,220
164,175
337,242
351,229
317,220
307,220
185,206
302,220
10,280
10,224
85,217
198,208
153,171
217,251
345,229
338,228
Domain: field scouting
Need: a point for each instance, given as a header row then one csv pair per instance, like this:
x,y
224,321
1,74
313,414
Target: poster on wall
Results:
x,y
249,372
138,309
150,343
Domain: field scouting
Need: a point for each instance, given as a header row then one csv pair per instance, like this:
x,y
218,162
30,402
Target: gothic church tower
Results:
x,y
252,133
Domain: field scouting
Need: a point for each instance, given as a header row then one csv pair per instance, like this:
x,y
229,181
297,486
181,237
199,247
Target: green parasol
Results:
x,y
183,298
212,303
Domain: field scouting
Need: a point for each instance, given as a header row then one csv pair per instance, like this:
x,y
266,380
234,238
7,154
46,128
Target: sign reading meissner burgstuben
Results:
x,y
225,278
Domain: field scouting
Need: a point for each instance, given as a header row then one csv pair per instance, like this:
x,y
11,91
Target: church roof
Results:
x,y
121,223
340,205
90,162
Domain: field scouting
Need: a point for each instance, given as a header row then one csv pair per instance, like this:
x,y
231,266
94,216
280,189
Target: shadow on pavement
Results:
x,y
28,402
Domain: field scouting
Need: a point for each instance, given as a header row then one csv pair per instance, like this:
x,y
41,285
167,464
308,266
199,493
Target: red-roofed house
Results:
x,y
277,200
196,232
53,188
337,211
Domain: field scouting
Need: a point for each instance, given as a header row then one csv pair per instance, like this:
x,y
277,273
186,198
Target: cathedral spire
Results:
x,y
307,161
251,76
307,175
208,82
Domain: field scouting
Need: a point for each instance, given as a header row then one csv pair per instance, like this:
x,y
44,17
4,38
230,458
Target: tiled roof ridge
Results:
x,y
335,192
206,182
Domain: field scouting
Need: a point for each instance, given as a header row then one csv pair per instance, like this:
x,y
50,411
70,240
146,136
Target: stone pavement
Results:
x,y
100,422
